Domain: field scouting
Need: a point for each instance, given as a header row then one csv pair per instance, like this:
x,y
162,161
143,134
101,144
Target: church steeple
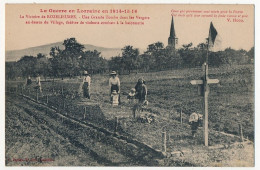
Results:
x,y
172,40
172,30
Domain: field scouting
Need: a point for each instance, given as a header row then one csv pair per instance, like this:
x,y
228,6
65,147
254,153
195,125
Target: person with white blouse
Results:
x,y
38,83
86,85
114,84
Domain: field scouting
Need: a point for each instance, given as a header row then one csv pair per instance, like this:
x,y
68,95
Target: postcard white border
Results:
x,y
2,72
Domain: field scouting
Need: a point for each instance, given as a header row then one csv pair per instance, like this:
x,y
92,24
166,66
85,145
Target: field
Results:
x,y
169,92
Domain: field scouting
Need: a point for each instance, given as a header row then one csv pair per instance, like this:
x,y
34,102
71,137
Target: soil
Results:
x,y
232,97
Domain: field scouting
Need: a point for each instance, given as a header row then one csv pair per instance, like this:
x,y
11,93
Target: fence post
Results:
x,y
116,123
47,99
63,103
241,132
85,111
164,147
37,97
62,90
181,117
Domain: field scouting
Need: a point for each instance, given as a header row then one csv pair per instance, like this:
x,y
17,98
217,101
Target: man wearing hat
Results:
x,y
86,85
114,84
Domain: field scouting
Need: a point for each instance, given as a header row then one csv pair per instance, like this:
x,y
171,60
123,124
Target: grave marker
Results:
x,y
205,84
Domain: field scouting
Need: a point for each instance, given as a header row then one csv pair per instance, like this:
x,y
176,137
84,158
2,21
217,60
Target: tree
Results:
x,y
56,61
66,62
188,55
174,59
251,55
115,63
157,55
129,58
92,61
27,65
72,47
42,65
12,70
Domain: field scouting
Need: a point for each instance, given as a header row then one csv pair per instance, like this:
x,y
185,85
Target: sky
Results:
x,y
236,35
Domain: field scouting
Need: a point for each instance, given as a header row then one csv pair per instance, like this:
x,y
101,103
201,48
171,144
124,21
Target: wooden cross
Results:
x,y
205,85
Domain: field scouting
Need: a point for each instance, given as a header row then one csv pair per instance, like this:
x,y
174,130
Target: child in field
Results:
x,y
131,96
195,120
114,98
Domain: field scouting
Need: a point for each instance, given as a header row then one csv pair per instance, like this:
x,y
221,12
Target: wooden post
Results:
x,y
47,99
164,147
37,96
116,123
241,132
85,111
169,137
63,103
206,93
62,90
124,125
181,117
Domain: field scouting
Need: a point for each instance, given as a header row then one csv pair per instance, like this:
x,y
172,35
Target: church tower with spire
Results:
x,y
172,40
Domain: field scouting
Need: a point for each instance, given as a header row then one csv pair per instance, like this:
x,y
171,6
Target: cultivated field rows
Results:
x,y
169,93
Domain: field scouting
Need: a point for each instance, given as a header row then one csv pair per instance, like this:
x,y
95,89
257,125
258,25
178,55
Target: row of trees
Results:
x,y
73,60
62,63
157,57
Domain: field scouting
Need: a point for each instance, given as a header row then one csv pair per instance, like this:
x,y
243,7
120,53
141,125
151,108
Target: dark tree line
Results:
x,y
157,57
73,60
62,63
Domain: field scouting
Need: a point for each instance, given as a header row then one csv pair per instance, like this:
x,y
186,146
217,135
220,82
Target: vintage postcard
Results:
x,y
126,85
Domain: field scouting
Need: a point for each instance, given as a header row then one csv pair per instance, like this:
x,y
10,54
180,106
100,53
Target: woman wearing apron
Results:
x,y
114,84
86,85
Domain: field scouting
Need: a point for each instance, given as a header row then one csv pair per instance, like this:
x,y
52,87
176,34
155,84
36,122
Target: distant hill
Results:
x,y
14,55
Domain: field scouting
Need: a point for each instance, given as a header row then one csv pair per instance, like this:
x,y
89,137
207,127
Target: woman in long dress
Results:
x,y
114,84
86,85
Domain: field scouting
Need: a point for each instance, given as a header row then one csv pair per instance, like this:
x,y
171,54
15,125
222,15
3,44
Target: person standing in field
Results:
x,y
86,85
114,84
141,95
28,81
194,120
141,91
38,83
